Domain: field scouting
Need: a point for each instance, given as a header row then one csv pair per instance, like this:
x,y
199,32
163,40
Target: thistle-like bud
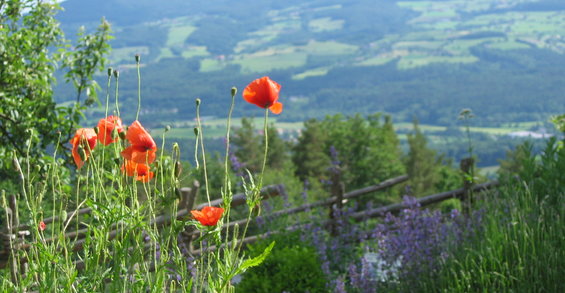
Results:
x,y
196,131
137,58
96,130
115,133
178,169
198,101
122,135
233,91
116,74
110,70
167,128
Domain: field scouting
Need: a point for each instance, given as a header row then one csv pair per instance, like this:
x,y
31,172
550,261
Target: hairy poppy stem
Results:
x,y
117,77
138,87
202,148
227,184
266,123
107,106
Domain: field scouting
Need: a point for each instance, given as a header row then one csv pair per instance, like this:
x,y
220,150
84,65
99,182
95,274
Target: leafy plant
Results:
x,y
32,46
292,267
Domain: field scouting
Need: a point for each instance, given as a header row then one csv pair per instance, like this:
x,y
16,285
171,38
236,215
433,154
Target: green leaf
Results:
x,y
252,262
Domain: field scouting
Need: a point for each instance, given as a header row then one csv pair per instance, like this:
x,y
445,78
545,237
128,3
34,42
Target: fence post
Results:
x,y
337,192
467,167
187,202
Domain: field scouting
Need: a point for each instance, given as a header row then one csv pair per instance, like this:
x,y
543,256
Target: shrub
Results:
x,y
292,266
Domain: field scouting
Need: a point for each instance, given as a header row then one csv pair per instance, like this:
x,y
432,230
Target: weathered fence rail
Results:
x,y
18,232
371,213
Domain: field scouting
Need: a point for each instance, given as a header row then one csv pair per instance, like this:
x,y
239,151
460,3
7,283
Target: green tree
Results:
x,y
247,145
421,162
278,156
310,155
368,149
32,46
427,170
250,147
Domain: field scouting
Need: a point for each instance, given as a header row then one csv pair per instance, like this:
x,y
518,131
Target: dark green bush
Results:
x,y
292,266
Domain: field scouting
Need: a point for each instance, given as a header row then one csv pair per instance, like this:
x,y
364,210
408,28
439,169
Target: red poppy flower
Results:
x,y
105,128
42,226
264,93
85,138
140,171
208,216
143,148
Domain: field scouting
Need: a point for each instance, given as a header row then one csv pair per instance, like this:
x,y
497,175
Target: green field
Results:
x,y
443,32
178,34
325,24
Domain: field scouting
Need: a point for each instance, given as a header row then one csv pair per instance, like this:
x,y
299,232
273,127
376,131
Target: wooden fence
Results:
x,y
14,237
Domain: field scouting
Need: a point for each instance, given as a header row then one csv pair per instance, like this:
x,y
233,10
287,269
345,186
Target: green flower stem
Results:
x,y
227,195
138,88
201,137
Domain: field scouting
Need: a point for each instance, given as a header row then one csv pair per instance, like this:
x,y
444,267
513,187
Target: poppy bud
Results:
x,y
117,161
196,131
16,164
233,91
198,101
137,58
167,128
122,135
115,133
178,169
110,71
116,73
63,215
82,153
96,130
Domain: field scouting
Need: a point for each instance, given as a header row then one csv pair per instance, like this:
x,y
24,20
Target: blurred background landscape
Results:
x,y
423,60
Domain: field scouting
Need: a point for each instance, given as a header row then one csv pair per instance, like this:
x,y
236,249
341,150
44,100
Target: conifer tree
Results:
x,y
421,163
247,144
310,155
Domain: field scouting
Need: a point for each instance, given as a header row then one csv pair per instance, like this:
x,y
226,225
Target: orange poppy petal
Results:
x,y
276,108
76,157
143,157
262,92
127,153
138,136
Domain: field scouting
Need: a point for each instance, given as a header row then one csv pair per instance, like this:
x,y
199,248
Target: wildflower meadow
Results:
x,y
110,201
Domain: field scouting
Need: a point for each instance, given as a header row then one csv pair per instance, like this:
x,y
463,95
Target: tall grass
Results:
x,y
521,247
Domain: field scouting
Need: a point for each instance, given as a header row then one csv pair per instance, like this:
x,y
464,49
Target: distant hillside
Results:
x,y
425,59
